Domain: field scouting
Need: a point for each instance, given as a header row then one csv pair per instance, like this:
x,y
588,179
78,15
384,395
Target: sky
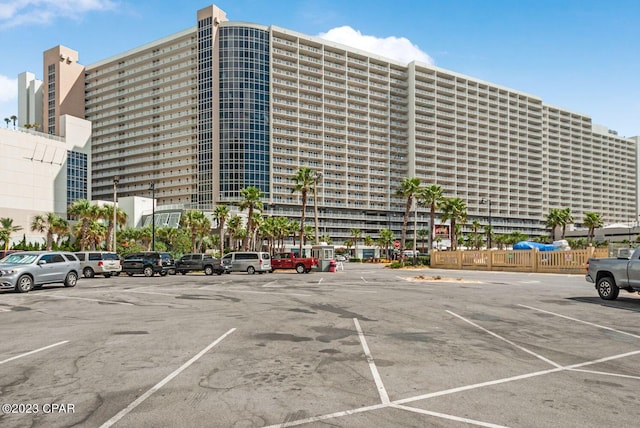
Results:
x,y
581,55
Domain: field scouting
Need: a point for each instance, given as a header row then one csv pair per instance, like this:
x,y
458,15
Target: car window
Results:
x,y
22,259
110,256
71,257
80,256
95,256
52,258
227,257
267,257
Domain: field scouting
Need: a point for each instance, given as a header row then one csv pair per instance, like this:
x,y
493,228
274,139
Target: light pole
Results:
x,y
482,202
116,179
415,231
152,187
317,176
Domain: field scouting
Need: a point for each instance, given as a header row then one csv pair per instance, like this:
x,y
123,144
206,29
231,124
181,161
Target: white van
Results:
x,y
247,261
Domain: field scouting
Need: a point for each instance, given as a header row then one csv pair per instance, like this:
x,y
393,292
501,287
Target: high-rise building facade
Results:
x,y
224,105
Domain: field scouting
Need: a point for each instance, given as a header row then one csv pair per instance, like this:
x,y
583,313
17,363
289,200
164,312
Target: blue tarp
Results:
x,y
528,245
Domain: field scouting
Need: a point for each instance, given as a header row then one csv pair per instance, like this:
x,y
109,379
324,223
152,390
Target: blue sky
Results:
x,y
582,55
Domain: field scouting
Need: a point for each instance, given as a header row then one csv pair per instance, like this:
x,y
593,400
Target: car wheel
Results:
x,y
71,280
129,273
607,288
116,274
24,284
251,270
172,271
88,272
219,272
163,273
148,271
208,270
300,268
184,272
107,275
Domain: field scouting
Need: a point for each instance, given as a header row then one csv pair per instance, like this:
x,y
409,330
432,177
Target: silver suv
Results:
x,y
28,269
99,263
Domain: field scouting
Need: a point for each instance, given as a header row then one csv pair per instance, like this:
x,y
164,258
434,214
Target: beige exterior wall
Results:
x,y
63,87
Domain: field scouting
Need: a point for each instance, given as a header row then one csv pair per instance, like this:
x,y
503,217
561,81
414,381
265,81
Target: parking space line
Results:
x,y
540,357
445,416
606,373
33,352
362,278
164,381
152,292
581,321
92,300
384,397
328,416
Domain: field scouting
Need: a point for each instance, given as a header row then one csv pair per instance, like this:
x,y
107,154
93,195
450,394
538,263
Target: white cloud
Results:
x,y
398,48
8,98
8,89
16,13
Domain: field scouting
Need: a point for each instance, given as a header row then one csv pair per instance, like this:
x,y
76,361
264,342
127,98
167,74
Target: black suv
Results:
x,y
199,262
148,263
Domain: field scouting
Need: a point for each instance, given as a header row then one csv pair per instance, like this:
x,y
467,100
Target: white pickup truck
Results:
x,y
612,274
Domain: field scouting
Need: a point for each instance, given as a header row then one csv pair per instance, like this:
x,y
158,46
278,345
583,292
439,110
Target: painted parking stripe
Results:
x,y
33,352
92,300
581,321
445,416
384,397
164,381
540,357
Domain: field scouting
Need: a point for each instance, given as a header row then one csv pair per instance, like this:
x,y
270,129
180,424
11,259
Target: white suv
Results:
x,y
99,263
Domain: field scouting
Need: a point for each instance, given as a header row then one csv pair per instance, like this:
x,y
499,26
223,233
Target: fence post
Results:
x,y
534,262
459,258
489,259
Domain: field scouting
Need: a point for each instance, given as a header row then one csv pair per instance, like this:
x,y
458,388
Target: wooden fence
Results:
x,y
572,261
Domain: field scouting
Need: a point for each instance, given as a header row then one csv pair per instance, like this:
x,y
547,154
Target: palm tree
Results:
x,y
565,219
431,197
198,225
304,179
593,221
7,121
235,224
356,234
409,188
7,229
325,238
121,219
84,211
455,210
386,238
422,234
553,220
221,213
252,200
14,118
46,223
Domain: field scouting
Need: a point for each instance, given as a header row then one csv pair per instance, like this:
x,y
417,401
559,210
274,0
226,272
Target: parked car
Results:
x,y
288,260
168,263
103,263
247,261
5,253
26,270
148,263
199,262
614,273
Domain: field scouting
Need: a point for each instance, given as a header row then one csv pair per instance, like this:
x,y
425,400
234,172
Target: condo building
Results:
x,y
223,105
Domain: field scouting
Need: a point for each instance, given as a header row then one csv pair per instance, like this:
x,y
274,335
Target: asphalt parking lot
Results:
x,y
363,347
